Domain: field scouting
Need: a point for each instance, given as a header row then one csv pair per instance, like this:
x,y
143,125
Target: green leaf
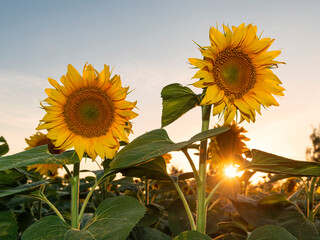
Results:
x,y
10,178
143,233
192,235
176,101
271,232
52,228
155,169
177,217
4,148
8,224
154,144
276,210
37,155
20,188
114,219
270,163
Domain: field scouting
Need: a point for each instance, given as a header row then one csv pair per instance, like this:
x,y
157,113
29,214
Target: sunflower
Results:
x,y
236,72
223,146
40,139
88,112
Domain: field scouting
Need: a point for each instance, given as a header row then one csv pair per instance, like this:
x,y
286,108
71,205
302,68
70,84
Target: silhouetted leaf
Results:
x,y
270,163
4,148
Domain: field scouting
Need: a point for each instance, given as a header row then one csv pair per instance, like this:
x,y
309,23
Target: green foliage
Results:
x,y
113,219
4,148
155,169
270,163
8,224
154,144
143,233
21,188
276,210
177,100
192,235
271,232
37,155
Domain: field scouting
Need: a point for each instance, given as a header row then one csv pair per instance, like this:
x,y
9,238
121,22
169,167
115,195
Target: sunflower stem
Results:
x,y
195,172
311,198
186,206
74,180
147,183
84,205
201,195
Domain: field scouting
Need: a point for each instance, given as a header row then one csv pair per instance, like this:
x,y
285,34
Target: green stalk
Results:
x,y
201,201
186,206
311,198
40,195
74,180
84,205
146,181
210,196
195,172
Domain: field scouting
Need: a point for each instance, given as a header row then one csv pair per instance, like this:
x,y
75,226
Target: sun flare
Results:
x,y
231,171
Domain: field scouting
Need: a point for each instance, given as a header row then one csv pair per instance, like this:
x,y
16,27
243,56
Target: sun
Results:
x,y
231,171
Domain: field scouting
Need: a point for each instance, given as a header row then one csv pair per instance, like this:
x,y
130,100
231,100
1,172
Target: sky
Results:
x,y
148,43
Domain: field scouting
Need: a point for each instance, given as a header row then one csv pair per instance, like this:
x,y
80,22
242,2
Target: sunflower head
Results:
x,y
236,72
88,112
40,139
223,146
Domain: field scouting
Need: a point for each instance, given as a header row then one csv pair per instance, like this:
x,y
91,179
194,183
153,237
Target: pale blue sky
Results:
x,y
148,44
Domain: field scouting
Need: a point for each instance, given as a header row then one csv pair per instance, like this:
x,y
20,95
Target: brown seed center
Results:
x,y
234,73
89,112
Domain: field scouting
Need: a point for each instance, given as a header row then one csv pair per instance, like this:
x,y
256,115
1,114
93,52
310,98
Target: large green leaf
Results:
x,y
10,178
52,228
155,169
270,163
176,101
8,224
114,219
143,233
154,144
20,188
192,235
4,148
271,232
276,210
37,155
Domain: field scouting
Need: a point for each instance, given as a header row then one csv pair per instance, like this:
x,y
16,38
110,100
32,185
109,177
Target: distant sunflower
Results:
x,y
224,145
40,139
167,157
88,112
236,72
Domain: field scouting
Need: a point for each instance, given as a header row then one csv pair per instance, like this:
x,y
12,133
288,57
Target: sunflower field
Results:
x,y
133,195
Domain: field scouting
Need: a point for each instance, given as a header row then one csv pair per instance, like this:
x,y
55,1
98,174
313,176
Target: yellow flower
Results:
x,y
88,112
224,145
39,139
236,70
